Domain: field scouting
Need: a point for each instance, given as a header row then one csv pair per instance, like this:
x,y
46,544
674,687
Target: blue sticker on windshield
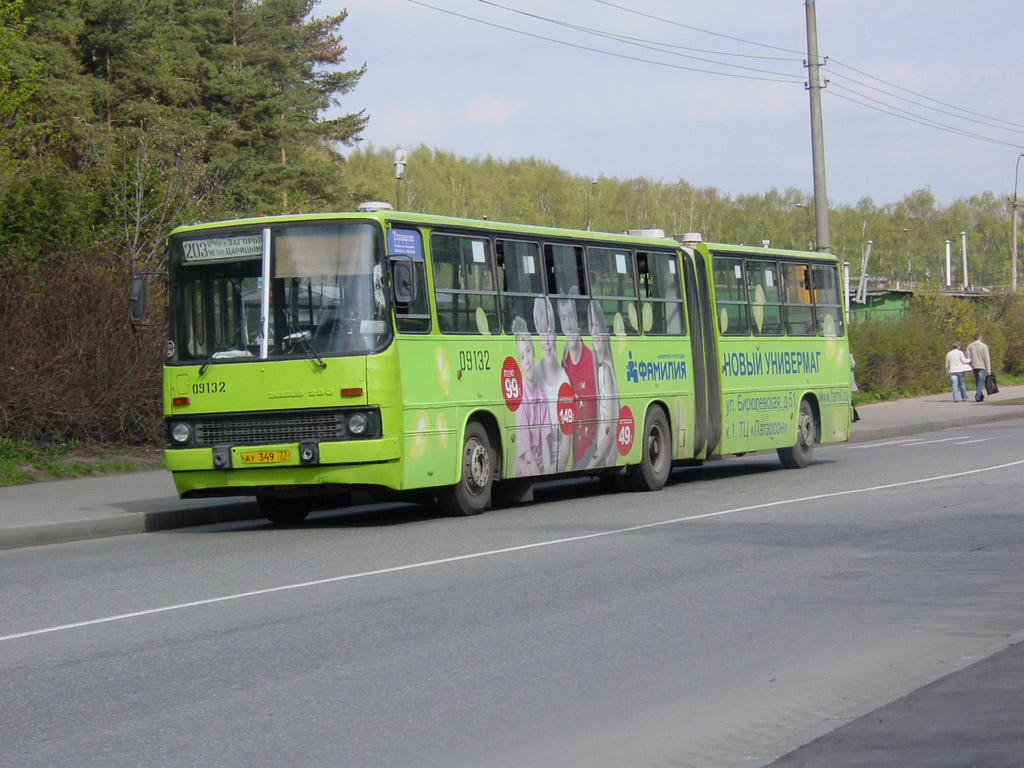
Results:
x,y
405,242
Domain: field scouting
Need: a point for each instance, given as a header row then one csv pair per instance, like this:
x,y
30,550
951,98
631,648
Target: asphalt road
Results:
x,y
721,622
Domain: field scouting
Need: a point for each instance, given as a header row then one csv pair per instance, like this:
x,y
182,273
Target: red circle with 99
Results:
x,y
512,384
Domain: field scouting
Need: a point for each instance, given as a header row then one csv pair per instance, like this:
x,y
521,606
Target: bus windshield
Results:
x,y
324,293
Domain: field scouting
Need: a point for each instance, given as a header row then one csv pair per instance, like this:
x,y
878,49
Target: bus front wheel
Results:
x,y
652,472
471,495
282,510
799,455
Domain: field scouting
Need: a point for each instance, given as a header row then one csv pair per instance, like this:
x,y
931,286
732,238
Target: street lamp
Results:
x,y
401,159
810,224
1013,212
589,188
910,267
963,250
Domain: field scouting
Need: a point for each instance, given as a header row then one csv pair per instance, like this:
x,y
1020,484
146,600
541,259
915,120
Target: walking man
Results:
x,y
981,364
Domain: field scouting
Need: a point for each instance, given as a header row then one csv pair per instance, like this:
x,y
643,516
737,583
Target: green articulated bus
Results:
x,y
312,356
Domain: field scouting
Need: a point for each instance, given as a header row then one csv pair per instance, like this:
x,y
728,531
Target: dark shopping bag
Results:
x,y
990,384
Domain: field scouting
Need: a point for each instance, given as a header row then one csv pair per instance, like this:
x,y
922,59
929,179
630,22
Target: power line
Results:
x,y
626,38
990,123
888,109
650,45
698,29
922,96
764,75
776,79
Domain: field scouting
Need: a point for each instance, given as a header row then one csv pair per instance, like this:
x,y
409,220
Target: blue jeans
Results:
x,y
959,385
979,384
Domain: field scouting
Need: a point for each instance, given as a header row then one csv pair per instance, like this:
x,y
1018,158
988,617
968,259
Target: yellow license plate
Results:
x,y
266,457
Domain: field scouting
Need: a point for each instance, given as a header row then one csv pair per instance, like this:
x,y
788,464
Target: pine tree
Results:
x,y
241,84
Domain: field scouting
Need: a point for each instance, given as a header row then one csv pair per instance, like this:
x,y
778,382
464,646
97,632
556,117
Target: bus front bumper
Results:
x,y
246,470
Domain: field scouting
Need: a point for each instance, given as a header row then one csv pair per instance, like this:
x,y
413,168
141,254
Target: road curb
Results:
x,y
37,534
127,523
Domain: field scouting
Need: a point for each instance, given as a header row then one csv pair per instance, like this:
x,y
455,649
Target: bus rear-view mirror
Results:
x,y
137,300
146,300
403,280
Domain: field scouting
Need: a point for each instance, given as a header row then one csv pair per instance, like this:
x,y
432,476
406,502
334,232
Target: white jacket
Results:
x,y
957,362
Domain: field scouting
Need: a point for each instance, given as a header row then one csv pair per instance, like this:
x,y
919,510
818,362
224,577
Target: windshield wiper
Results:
x,y
303,338
225,354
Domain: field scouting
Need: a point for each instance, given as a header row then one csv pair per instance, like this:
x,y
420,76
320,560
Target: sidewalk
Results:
x,y
930,413
967,718
138,502
110,505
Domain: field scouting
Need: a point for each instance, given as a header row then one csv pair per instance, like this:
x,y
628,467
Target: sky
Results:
x,y
920,94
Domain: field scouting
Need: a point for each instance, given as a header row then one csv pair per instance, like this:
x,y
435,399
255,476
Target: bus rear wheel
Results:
x,y
282,510
471,495
652,472
799,455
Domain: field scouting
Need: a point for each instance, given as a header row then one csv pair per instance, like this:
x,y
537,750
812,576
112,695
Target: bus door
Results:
x,y
707,383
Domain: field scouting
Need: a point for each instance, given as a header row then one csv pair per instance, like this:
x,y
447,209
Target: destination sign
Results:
x,y
223,248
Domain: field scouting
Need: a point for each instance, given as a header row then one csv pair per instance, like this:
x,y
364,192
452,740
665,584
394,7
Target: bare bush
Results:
x,y
71,366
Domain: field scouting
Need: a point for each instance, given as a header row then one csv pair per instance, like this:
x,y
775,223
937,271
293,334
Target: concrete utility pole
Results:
x,y
822,237
862,286
1013,256
963,250
949,264
846,288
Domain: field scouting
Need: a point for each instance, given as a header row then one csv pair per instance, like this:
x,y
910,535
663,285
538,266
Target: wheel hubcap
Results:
x,y
477,467
806,429
654,446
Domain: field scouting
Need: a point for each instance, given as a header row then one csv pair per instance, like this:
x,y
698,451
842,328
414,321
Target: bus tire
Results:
x,y
471,495
799,454
652,472
282,510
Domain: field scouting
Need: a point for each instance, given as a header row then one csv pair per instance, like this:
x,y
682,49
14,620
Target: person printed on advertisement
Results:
x,y
578,362
533,422
607,389
550,378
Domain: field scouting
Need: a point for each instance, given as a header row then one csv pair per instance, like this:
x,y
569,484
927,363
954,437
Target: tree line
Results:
x,y
120,119
908,236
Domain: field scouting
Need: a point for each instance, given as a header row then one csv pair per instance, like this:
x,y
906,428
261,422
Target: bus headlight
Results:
x,y
181,432
357,423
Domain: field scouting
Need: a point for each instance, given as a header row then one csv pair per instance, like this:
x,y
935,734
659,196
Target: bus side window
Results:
x,y
660,290
765,298
563,266
797,307
731,296
827,306
613,287
520,278
467,301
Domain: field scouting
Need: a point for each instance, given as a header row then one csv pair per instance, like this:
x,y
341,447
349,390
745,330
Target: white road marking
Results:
x,y
492,552
872,444
939,440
